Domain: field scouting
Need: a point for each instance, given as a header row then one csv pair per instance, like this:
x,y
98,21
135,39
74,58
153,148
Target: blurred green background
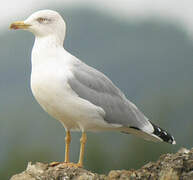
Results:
x,y
151,61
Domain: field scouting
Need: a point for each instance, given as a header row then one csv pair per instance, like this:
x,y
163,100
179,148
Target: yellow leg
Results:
x,y
66,162
67,146
67,152
82,146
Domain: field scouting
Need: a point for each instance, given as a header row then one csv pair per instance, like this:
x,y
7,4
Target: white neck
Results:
x,y
44,42
44,49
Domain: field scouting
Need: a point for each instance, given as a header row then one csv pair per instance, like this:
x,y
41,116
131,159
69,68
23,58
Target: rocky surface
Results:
x,y
177,166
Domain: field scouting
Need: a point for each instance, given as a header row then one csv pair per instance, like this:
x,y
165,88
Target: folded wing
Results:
x,y
94,86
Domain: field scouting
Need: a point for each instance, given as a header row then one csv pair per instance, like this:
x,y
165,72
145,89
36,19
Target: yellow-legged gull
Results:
x,y
77,95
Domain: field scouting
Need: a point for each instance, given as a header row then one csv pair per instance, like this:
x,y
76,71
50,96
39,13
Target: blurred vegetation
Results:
x,y
150,61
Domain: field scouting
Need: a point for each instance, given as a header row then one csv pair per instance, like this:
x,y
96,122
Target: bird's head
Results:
x,y
43,23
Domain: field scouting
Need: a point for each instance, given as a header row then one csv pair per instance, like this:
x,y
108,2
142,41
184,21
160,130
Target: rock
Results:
x,y
177,166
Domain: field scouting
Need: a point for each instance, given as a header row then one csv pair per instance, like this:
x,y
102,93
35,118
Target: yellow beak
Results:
x,y
19,25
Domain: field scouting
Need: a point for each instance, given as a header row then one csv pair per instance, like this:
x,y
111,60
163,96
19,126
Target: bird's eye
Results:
x,y
41,20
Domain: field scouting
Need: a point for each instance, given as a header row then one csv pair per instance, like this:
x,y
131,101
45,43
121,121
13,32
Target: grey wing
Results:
x,y
94,86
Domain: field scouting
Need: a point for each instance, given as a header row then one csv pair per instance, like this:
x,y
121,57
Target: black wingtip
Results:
x,y
162,134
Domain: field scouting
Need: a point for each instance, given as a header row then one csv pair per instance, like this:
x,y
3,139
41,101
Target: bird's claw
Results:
x,y
65,164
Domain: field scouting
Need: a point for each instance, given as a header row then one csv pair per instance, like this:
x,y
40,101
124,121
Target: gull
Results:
x,y
79,96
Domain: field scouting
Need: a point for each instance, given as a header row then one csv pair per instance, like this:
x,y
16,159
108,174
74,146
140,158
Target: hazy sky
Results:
x,y
174,10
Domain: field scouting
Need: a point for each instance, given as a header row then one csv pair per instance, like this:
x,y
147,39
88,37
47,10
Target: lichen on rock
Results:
x,y
177,166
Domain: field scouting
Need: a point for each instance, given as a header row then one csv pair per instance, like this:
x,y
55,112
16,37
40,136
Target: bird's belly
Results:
x,y
63,104
53,101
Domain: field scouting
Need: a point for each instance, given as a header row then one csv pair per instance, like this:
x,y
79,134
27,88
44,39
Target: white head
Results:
x,y
44,23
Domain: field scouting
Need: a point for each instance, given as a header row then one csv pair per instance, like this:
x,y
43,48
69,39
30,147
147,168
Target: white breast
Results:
x,y
49,87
